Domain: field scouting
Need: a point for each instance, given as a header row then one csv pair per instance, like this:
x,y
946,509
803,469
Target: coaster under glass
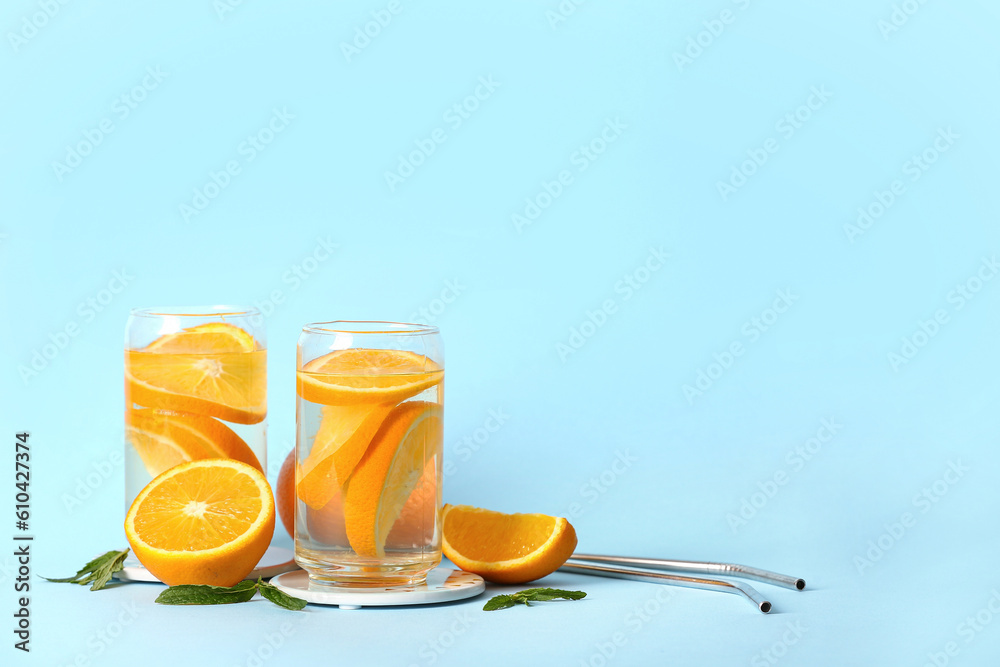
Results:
x,y
275,561
442,585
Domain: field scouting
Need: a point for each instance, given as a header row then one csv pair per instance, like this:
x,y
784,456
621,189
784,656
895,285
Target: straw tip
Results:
x,y
765,606
800,584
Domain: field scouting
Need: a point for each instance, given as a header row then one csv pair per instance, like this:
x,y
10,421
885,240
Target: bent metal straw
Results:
x,y
699,567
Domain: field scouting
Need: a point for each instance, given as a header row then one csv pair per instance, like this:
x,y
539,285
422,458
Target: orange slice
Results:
x,y
215,336
202,522
343,437
166,439
506,548
387,475
361,375
229,385
284,493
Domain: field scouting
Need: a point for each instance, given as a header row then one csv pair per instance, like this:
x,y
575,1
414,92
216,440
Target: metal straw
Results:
x,y
724,569
745,590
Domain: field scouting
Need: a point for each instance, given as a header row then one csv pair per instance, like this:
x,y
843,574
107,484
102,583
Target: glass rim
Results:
x,y
370,327
195,311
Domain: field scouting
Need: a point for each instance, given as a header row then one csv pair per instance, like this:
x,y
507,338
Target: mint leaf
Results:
x,y
530,595
241,592
279,597
545,594
499,602
98,571
204,594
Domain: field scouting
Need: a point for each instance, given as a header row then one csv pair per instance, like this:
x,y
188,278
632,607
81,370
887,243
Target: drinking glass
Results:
x,y
195,388
369,429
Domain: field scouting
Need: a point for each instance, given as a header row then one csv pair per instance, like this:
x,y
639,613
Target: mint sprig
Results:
x,y
97,572
241,592
526,597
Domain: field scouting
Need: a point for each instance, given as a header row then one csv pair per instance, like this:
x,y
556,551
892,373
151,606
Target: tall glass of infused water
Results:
x,y
195,388
368,452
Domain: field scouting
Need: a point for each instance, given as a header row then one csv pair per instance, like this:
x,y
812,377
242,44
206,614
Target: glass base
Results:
x,y
393,571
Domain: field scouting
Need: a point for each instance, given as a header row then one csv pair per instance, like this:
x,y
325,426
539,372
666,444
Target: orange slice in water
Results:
x,y
166,439
217,337
506,548
202,522
213,369
361,375
344,435
390,471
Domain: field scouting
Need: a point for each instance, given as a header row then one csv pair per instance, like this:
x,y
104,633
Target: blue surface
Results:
x,y
845,426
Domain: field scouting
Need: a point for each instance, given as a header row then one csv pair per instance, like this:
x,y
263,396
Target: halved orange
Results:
x,y
344,435
217,337
362,375
506,548
229,385
384,479
202,522
165,439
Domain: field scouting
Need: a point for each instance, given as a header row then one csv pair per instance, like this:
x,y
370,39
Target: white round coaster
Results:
x,y
442,585
274,561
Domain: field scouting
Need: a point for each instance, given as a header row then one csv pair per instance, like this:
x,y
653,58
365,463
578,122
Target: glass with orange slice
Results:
x,y
368,452
195,388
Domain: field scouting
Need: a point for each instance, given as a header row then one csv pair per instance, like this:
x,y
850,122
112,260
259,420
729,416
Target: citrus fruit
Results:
x,y
166,439
388,473
202,522
215,336
284,496
505,548
344,435
229,385
362,375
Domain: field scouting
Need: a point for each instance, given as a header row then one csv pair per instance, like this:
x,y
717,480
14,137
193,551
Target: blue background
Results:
x,y
898,551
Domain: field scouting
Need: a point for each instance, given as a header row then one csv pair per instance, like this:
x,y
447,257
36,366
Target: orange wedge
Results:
x,y
229,385
506,548
166,439
202,522
344,435
361,375
217,337
384,479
